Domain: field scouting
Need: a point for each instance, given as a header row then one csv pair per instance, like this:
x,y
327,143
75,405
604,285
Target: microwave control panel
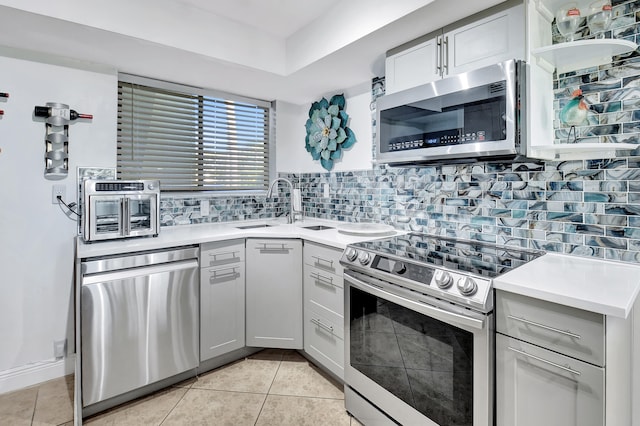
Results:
x,y
429,140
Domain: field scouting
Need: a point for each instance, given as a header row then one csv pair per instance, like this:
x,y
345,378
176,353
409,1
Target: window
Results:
x,y
191,139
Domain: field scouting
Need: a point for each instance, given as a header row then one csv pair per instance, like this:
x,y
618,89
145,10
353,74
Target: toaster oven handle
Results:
x,y
126,216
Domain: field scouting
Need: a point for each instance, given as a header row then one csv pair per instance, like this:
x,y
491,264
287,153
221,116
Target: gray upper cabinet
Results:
x,y
274,293
222,294
487,38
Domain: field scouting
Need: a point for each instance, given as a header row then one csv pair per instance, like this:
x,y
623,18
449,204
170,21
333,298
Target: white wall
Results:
x,y
291,155
37,239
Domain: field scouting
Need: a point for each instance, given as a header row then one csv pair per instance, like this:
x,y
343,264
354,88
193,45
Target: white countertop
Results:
x,y
195,234
601,286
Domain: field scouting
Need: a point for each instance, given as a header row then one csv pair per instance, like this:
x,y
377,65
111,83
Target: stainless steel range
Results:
x,y
419,329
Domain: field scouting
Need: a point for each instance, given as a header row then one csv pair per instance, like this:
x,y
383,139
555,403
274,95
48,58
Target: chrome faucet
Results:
x,y
293,213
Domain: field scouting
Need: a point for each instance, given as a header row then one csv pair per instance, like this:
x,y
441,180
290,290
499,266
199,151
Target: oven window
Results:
x,y
140,213
107,215
423,361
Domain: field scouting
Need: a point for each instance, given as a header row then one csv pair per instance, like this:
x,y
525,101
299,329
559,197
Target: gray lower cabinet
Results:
x,y
222,298
324,307
559,365
540,387
274,293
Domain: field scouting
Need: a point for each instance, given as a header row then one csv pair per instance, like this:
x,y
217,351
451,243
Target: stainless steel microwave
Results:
x,y
120,209
463,118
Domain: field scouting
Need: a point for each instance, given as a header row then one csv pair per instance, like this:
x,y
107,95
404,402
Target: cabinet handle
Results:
x,y
546,327
215,277
322,279
273,248
321,325
537,358
439,56
224,253
319,263
445,49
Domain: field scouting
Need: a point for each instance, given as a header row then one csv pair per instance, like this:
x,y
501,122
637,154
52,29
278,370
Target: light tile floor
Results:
x,y
271,387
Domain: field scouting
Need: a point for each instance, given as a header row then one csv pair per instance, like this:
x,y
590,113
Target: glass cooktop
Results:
x,y
479,258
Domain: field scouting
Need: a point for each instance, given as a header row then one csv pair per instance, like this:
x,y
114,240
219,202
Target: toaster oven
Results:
x,y
116,209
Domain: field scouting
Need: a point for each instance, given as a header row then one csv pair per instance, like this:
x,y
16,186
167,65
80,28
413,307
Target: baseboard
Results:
x,y
33,374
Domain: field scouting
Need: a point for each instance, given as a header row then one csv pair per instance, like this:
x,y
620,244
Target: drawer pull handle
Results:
x,y
546,327
328,264
224,253
537,358
321,325
322,279
217,278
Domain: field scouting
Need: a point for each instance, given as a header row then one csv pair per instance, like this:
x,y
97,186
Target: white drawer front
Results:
x,y
324,289
221,253
323,257
324,340
570,331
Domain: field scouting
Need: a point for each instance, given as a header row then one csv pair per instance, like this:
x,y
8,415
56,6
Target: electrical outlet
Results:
x,y
59,348
56,190
204,208
325,190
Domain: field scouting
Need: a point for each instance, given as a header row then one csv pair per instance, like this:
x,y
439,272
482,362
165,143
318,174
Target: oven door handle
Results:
x,y
419,306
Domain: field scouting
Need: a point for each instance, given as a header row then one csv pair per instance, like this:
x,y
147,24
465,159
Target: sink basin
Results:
x,y
317,227
261,225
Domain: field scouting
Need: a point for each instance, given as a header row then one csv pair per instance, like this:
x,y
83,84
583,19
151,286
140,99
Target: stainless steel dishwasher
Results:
x,y
139,320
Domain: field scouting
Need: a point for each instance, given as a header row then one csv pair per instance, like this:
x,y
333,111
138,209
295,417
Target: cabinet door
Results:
x,y
412,67
536,387
221,310
486,41
274,293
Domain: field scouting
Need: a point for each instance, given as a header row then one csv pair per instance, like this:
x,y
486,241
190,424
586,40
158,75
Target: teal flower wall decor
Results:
x,y
327,131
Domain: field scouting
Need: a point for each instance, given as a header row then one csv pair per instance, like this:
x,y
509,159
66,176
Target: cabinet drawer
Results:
x,y
221,253
324,340
574,332
323,257
324,289
535,387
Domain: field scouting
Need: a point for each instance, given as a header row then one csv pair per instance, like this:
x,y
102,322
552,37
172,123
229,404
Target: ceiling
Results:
x,y
281,18
291,50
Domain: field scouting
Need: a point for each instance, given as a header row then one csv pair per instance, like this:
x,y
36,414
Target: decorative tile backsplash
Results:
x,y
586,208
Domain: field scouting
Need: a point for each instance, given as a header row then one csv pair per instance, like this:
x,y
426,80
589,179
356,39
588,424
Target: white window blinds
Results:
x,y
192,141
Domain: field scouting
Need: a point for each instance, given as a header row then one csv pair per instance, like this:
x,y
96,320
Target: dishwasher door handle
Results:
x,y
139,271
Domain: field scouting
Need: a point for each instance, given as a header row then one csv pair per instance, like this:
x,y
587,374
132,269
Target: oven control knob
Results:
x,y
351,254
151,186
467,286
399,268
443,279
364,258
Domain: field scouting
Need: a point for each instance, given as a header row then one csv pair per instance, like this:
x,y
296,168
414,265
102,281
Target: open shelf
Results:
x,y
582,151
574,55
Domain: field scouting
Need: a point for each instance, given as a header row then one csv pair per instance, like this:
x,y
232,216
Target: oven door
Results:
x,y
417,359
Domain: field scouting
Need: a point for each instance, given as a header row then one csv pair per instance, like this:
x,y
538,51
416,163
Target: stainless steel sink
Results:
x,y
317,227
261,225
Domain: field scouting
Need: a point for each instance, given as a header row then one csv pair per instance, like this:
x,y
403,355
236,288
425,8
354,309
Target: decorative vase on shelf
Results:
x,y
574,114
599,17
567,20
